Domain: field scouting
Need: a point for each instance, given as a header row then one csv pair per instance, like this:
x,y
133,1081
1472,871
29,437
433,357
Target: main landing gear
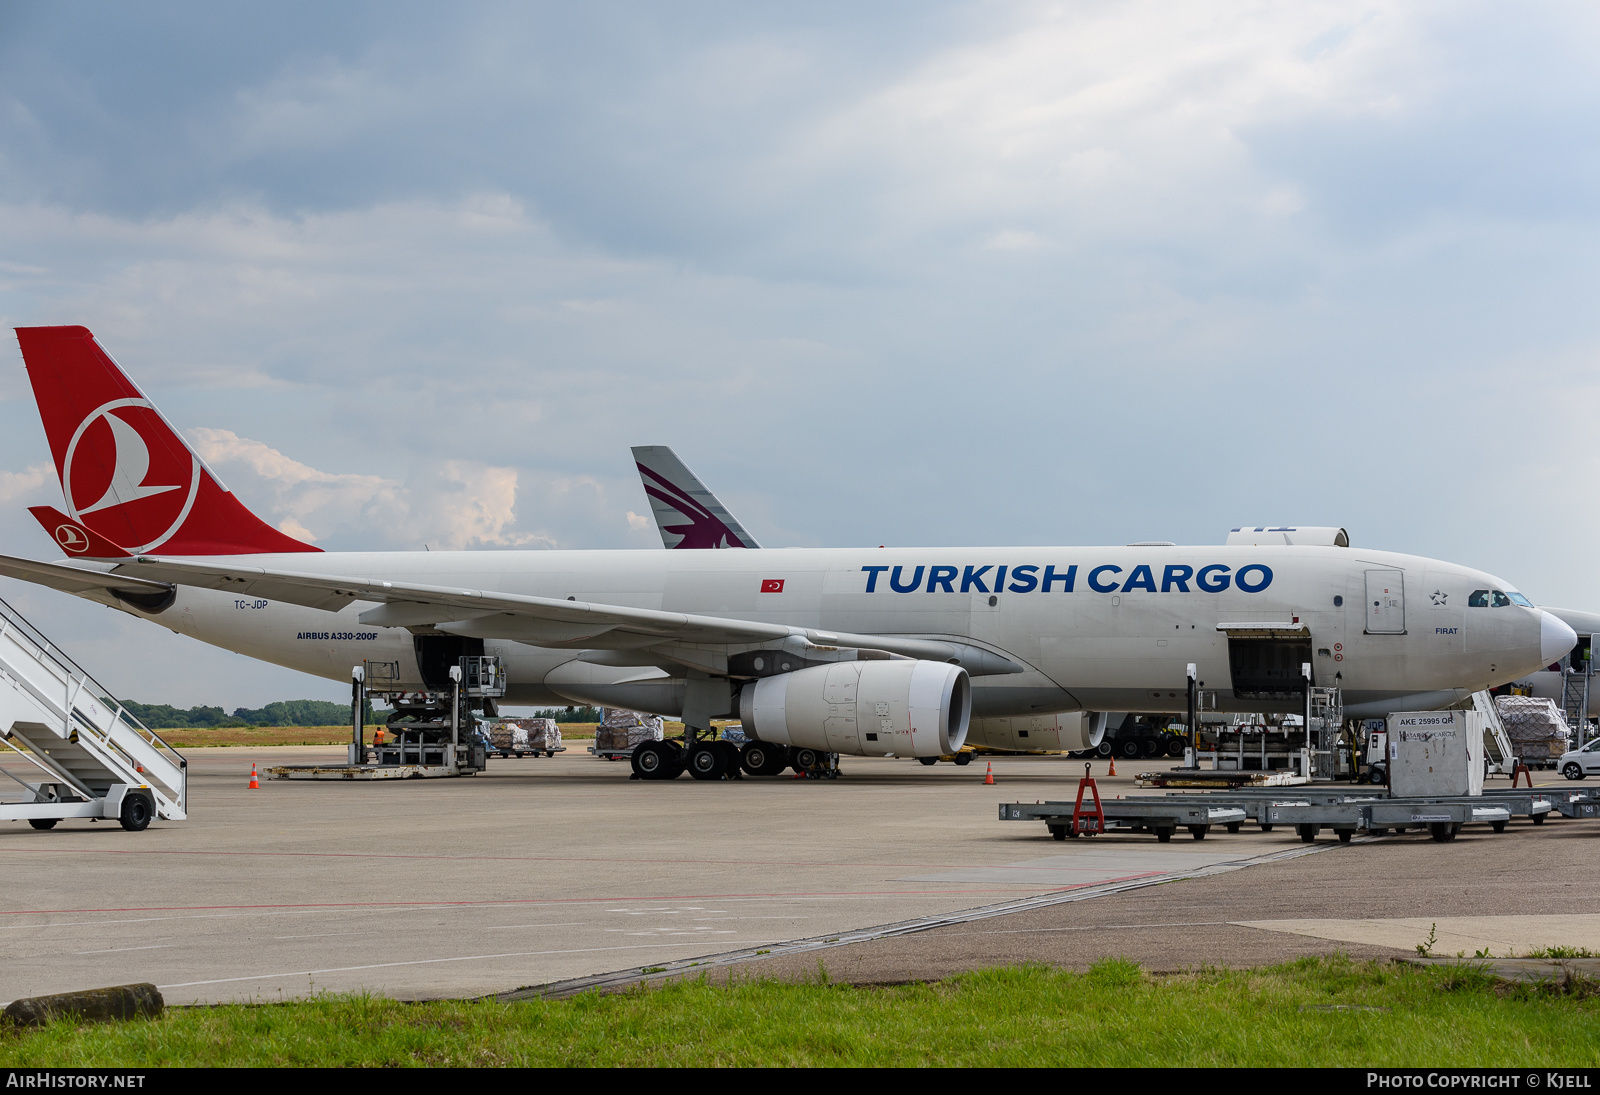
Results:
x,y
714,760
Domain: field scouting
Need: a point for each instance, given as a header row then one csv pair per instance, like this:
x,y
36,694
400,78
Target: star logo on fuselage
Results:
x,y
1438,598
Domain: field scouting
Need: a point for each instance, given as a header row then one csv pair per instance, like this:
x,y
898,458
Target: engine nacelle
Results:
x,y
1068,732
869,709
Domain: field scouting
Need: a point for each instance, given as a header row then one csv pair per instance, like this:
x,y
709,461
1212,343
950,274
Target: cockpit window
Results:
x,y
1500,600
1478,599
1519,599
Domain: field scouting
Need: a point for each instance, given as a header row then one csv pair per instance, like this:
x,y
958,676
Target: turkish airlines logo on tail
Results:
x,y
72,539
127,477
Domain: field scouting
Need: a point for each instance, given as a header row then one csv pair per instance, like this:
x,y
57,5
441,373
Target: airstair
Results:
x,y
1497,748
1575,699
90,756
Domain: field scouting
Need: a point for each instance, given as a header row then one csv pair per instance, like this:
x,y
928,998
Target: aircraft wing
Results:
x,y
687,514
74,579
538,621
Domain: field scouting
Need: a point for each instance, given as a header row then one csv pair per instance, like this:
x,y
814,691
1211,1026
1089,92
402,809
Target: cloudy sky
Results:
x,y
896,273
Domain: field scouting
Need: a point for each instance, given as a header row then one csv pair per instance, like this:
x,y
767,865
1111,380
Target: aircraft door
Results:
x,y
436,654
1386,602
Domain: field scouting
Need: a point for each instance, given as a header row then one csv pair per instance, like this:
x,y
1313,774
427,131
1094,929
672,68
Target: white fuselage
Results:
x,y
1115,631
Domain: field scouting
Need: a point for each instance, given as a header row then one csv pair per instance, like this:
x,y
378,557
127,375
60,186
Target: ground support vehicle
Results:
x,y
613,754
96,759
1578,804
1309,810
962,758
430,735
519,754
1160,816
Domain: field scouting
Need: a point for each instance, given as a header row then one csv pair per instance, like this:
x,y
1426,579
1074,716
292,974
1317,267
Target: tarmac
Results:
x,y
562,872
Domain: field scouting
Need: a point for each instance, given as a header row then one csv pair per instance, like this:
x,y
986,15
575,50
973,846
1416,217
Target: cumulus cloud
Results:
x,y
458,504
27,485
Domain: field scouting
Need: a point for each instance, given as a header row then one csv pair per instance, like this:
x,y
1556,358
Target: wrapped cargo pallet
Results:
x,y
543,734
624,729
508,737
1535,726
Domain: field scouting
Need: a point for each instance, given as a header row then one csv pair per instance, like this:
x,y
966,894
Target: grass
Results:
x,y
1316,1011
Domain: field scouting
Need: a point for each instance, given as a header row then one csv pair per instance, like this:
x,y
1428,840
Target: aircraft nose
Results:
x,y
1555,637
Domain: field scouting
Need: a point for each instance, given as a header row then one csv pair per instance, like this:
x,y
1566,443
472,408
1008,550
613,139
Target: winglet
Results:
x,y
687,514
77,540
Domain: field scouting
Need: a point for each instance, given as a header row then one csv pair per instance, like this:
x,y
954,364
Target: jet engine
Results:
x,y
871,708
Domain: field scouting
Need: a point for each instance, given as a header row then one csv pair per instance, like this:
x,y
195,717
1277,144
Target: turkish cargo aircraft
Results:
x,y
689,516
847,650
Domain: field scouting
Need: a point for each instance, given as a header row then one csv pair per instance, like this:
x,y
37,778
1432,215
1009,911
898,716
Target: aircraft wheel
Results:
x,y
1104,749
929,761
655,760
756,758
1129,748
963,758
804,760
43,822
707,762
1573,770
136,813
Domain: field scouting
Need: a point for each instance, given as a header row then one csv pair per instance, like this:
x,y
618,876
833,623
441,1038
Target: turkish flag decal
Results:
x,y
772,585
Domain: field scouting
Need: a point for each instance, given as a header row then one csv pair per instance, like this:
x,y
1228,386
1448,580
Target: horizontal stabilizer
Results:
x,y
77,540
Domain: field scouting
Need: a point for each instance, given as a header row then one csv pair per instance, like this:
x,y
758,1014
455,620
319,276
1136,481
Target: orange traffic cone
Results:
x,y
1113,769
988,777
255,784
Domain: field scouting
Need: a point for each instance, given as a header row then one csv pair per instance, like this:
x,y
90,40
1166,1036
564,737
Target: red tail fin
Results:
x,y
126,474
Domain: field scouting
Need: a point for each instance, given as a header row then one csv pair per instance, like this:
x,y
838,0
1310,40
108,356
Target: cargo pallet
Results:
x,y
1312,809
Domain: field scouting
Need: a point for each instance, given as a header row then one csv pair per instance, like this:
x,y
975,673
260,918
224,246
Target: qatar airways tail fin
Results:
x,y
129,479
687,515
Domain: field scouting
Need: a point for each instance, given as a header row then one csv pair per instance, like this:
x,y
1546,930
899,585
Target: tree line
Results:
x,y
569,714
161,716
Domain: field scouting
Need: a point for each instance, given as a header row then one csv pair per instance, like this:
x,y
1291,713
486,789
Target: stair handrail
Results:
x,y
1496,729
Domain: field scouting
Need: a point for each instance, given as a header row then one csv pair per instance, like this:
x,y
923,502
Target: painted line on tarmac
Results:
x,y
584,859
636,975
408,906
